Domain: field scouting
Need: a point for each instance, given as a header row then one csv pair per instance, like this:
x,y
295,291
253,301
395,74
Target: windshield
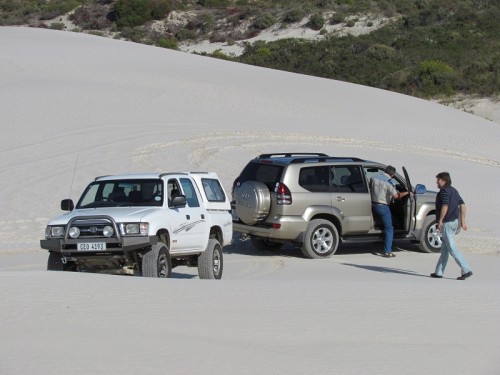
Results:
x,y
120,193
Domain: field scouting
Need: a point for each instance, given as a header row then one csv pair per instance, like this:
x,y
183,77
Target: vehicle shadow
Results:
x,y
245,247
178,275
384,269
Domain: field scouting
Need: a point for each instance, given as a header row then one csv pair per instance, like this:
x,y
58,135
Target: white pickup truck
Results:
x,y
143,224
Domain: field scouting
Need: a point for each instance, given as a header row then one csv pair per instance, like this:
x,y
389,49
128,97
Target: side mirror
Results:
x,y
420,189
67,205
179,201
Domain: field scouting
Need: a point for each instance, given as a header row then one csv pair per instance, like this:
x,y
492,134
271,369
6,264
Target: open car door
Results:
x,y
411,205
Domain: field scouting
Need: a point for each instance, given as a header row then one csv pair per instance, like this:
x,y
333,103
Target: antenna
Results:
x,y
74,172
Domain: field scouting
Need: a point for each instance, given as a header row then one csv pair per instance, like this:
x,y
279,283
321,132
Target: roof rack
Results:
x,y
170,173
291,154
324,159
99,177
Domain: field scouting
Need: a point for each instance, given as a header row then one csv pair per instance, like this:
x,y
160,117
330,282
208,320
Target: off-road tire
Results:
x,y
265,244
321,239
156,262
252,202
430,238
210,262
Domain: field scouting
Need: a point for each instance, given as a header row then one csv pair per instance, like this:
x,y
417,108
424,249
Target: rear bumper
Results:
x,y
291,228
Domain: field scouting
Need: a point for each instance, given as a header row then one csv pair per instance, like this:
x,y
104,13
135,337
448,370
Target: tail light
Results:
x,y
284,196
235,183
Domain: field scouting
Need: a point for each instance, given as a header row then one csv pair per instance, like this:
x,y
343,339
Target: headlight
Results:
x,y
74,232
54,232
108,231
138,229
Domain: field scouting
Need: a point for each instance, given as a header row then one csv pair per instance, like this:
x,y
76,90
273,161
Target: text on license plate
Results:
x,y
91,246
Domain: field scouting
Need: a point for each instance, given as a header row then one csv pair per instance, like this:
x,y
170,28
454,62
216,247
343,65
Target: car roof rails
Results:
x,y
99,177
325,159
290,155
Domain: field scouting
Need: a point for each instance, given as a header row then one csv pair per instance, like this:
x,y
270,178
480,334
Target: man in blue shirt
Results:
x,y
450,209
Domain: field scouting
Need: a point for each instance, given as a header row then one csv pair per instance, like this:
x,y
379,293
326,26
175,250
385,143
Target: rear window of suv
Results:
x,y
269,174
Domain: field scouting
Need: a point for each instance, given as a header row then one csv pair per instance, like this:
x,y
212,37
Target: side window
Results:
x,y
173,189
190,193
315,179
349,179
213,190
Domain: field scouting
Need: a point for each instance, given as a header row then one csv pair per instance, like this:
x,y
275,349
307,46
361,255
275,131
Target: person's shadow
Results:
x,y
384,269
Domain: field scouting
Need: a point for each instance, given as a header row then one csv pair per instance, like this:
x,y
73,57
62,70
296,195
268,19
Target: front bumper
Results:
x,y
113,245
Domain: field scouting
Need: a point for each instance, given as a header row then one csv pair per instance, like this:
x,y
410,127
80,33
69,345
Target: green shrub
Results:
x,y
167,43
436,77
130,13
135,34
218,54
8,6
337,17
57,26
264,21
52,10
350,23
263,52
185,34
317,21
294,15
399,80
207,23
160,9
380,52
213,3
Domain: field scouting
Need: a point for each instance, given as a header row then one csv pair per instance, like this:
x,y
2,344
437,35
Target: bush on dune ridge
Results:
x,y
426,53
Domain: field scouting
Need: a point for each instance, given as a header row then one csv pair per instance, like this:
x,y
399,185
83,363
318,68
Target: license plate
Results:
x,y
91,246
235,215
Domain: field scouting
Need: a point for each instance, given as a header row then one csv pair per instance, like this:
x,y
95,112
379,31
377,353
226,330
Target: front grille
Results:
x,y
93,228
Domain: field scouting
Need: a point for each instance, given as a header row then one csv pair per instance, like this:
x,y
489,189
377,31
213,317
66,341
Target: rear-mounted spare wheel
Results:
x,y
253,201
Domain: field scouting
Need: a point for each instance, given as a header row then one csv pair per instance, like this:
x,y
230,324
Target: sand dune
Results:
x,y
76,106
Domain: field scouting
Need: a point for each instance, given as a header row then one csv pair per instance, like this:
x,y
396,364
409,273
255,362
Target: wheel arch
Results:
x,y
164,236
331,218
216,233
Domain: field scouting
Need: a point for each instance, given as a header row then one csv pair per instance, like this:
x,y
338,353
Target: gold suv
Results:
x,y
317,201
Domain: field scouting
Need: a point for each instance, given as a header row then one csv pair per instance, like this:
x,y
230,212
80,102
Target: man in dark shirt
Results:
x,y
450,209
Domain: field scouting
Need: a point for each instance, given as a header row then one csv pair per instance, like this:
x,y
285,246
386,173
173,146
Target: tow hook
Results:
x,y
244,237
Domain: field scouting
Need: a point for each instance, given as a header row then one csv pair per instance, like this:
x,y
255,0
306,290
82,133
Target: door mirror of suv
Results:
x,y
67,205
420,189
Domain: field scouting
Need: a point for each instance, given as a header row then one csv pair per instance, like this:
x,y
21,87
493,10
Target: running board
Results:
x,y
373,238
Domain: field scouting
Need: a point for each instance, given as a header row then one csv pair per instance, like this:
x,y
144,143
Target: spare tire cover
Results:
x,y
253,201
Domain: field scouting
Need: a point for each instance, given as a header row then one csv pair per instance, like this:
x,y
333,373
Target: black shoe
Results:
x,y
436,276
465,275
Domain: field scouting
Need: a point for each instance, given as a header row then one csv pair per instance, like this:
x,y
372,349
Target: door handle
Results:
x,y
188,217
340,199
